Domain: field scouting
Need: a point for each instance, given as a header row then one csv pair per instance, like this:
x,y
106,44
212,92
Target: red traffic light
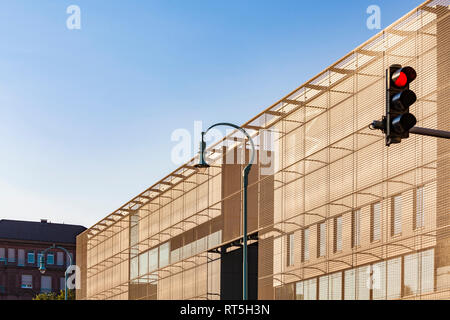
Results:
x,y
403,76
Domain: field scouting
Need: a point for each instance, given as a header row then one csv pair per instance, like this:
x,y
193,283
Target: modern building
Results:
x,y
333,212
21,246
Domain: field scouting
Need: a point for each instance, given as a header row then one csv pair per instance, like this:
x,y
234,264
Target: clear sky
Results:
x,y
86,116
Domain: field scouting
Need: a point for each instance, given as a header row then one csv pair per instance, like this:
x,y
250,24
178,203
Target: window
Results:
x,y
396,215
143,264
290,249
164,253
69,259
11,255
46,284
62,283
337,234
2,256
363,283
335,286
323,288
39,255
59,258
153,260
134,229
350,284
21,257
419,217
322,240
419,273
356,228
30,257
306,290
375,229
27,281
305,245
378,280
134,267
50,258
394,278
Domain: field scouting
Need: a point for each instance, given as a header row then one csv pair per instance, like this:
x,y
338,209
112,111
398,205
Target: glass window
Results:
x,y
21,257
134,268
376,222
322,239
305,248
153,260
2,253
290,249
50,258
411,266
323,288
69,259
338,234
378,278
396,215
350,284
363,283
27,281
46,284
356,228
134,229
11,255
335,286
394,278
62,283
175,255
419,220
39,255
30,257
143,263
164,253
60,258
419,273
427,271
306,290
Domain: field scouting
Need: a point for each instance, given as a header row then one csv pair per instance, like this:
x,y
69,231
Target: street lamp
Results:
x,y
42,268
203,165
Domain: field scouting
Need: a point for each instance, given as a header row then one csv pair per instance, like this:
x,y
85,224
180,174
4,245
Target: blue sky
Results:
x,y
87,115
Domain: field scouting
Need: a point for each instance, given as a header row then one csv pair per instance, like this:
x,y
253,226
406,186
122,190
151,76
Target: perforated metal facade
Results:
x,y
335,213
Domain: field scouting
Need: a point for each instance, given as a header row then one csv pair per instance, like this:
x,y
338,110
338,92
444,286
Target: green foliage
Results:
x,y
55,296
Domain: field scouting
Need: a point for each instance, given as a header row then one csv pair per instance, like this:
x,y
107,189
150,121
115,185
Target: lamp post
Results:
x,y
42,268
203,164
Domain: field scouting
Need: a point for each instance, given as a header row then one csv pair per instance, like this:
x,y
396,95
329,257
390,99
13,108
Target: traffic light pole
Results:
x,y
430,132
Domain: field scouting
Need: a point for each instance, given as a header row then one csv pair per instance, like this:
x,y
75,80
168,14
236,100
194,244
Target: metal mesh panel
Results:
x,y
325,167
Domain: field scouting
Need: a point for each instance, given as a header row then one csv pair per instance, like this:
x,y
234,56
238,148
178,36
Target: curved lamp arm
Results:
x,y
203,162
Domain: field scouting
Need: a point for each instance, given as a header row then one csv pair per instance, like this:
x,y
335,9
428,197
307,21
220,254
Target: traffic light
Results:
x,y
398,121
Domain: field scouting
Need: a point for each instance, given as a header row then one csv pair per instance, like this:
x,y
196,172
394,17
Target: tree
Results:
x,y
55,296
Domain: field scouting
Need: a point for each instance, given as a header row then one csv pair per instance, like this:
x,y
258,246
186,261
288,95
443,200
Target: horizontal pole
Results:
x,y
430,132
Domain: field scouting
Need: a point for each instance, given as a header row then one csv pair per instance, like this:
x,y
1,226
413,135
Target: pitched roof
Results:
x,y
39,231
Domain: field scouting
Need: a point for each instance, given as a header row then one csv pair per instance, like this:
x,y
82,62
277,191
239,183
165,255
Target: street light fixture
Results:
x,y
204,165
42,267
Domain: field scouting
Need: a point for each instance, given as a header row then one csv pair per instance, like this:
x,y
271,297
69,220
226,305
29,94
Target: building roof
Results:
x,y
39,231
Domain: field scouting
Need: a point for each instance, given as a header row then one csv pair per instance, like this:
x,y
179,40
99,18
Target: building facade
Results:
x,y
333,212
21,245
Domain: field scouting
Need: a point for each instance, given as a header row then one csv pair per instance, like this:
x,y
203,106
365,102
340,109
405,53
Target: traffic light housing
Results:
x,y
398,121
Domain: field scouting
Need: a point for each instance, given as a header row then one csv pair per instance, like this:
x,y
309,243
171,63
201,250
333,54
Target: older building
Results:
x,y
21,245
333,212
